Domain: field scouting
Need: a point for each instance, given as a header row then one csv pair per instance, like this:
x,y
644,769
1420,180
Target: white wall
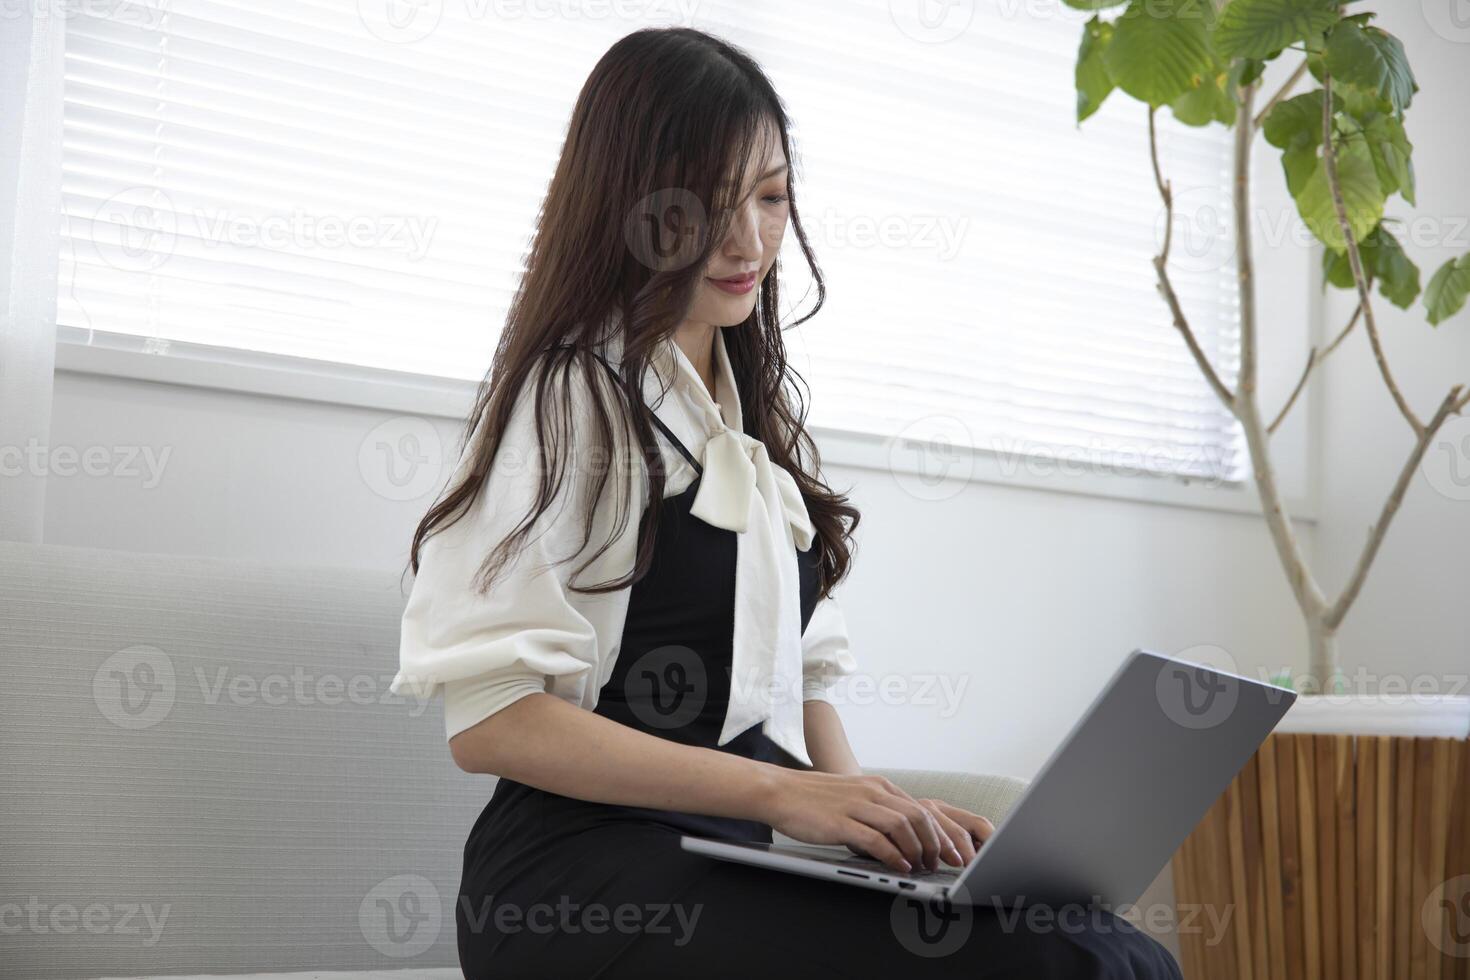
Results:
x,y
1023,600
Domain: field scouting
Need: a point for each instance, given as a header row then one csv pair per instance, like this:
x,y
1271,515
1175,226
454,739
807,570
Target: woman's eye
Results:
x,y
775,198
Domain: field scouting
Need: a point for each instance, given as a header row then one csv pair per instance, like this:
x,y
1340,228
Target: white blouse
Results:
x,y
531,633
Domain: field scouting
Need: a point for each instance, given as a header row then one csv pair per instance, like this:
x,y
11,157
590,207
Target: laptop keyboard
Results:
x,y
870,864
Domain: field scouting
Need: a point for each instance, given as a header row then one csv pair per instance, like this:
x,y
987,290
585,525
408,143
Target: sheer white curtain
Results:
x,y
32,50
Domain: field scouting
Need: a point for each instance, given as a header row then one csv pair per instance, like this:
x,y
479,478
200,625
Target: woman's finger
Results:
x,y
959,848
926,826
865,839
976,825
893,825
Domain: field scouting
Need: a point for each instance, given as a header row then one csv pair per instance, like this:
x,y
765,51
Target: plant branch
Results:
x,y
1313,359
1166,286
1451,404
1281,93
1303,586
1355,260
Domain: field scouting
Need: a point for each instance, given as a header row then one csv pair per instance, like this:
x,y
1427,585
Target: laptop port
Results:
x,y
908,885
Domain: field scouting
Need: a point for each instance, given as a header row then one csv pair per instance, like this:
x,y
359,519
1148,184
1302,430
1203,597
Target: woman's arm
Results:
x,y
826,740
544,741
547,742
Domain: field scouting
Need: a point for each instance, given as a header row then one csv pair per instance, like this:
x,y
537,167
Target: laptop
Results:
x,y
1138,771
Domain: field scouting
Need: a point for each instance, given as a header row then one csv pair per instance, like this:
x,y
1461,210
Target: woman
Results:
x,y
632,681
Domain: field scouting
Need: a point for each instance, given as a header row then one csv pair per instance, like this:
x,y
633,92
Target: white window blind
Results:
x,y
355,182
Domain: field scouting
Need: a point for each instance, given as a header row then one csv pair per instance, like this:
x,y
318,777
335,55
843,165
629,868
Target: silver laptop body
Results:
x,y
1107,810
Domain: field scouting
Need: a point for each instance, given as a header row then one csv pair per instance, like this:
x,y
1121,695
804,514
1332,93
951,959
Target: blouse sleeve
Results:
x,y
489,650
824,651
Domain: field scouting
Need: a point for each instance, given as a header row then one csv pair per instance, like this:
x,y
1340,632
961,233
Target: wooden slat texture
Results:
x,y
1345,801
1383,926
1270,807
1325,852
1437,830
1222,950
1403,858
1191,961
1252,908
1235,837
1306,807
1364,902
1326,807
1422,858
1291,862
1459,859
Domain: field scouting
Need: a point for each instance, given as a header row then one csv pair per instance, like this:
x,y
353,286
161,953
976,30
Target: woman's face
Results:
x,y
732,278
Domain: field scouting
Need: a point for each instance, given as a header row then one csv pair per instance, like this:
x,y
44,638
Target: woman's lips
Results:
x,y
737,285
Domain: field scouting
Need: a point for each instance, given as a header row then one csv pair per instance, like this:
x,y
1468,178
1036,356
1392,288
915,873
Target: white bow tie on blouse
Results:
x,y
743,491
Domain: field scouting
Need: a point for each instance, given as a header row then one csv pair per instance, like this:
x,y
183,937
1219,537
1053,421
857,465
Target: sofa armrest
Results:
x,y
990,796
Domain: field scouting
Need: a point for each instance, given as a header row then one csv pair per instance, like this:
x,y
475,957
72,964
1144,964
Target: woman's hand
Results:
x,y
874,817
966,830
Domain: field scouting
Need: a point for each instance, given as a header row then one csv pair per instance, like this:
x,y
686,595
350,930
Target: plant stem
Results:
x,y
1355,260
1281,93
1313,359
1450,405
1166,286
1303,586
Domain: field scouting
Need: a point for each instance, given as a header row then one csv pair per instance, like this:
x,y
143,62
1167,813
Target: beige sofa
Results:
x,y
203,772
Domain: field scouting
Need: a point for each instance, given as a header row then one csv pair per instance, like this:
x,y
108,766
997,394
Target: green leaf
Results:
x,y
1093,4
1291,120
1446,292
1261,28
1093,83
1373,61
1392,154
1363,197
1384,262
1347,96
1247,70
1159,49
1208,99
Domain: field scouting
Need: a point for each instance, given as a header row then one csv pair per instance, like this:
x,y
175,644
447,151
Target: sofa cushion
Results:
x,y
203,772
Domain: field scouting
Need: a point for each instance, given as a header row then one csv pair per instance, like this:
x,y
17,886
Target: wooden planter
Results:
x,y
1334,856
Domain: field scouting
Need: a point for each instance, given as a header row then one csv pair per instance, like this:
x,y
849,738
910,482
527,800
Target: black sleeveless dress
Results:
x,y
563,888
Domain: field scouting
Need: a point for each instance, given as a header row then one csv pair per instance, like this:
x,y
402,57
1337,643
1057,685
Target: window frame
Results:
x,y
105,354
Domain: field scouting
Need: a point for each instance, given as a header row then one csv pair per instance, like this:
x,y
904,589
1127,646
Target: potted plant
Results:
x,y
1341,848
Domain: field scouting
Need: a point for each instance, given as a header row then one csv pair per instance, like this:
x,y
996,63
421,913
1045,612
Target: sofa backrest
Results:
x,y
202,771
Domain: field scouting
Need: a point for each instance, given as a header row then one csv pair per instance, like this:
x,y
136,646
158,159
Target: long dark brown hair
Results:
x,y
656,152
